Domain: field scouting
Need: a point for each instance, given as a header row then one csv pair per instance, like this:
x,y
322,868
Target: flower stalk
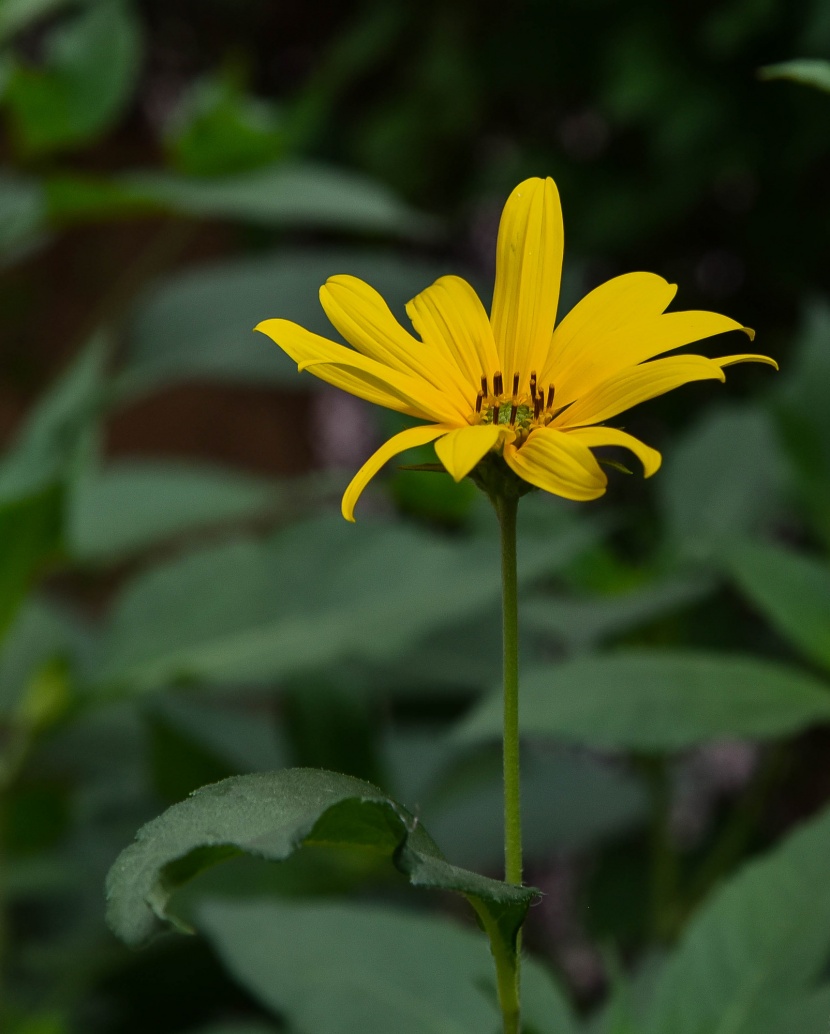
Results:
x,y
506,506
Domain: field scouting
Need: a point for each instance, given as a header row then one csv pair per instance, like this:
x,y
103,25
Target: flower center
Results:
x,y
521,410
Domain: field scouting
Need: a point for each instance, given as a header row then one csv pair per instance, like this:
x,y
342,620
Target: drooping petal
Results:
x,y
528,273
359,375
460,450
637,384
558,463
731,360
408,439
450,317
364,319
594,436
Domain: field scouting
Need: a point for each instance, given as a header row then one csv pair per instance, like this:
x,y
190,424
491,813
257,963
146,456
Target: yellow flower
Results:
x,y
511,384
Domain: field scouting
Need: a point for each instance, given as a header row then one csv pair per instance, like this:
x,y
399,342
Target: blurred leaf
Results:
x,y
240,1027
199,324
791,591
243,735
78,198
722,481
84,84
132,505
271,815
219,130
807,1013
287,196
314,594
41,632
30,536
340,968
758,941
657,701
331,723
47,449
570,800
808,71
805,418
582,624
22,215
16,15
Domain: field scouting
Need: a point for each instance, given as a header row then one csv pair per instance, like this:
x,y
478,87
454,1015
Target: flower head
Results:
x,y
513,384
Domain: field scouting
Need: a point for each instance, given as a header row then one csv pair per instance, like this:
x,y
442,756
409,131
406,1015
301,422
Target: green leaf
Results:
x,y
86,81
809,71
582,624
132,505
199,324
340,968
16,15
22,215
658,701
570,800
722,482
791,591
807,1013
286,196
237,1028
761,939
271,815
804,417
30,536
57,431
219,130
318,592
41,632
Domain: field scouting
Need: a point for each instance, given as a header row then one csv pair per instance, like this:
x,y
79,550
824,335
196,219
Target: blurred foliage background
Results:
x,y
180,600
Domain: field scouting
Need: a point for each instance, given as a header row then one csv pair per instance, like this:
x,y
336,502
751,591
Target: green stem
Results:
x,y
507,510
508,967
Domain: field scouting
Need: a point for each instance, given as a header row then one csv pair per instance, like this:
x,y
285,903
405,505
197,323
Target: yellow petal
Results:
x,y
590,329
461,449
593,436
408,439
731,360
450,317
637,384
364,319
558,463
528,272
359,375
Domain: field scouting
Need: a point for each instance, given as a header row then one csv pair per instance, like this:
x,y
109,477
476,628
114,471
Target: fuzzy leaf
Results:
x,y
272,815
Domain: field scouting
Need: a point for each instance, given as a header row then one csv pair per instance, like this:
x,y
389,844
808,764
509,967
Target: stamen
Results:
x,y
515,384
538,402
498,384
514,409
496,414
533,385
484,390
551,393
479,400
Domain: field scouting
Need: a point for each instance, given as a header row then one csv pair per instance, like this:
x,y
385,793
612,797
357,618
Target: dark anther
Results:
x,y
514,409
551,393
479,400
484,390
498,384
533,385
537,406
515,384
495,414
